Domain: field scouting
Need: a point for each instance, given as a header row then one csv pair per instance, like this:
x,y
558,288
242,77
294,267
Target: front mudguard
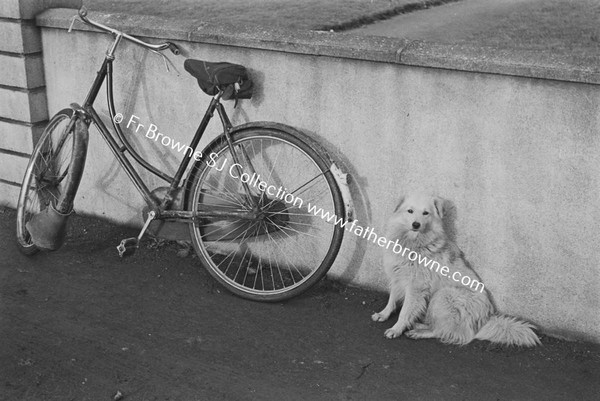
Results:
x,y
48,227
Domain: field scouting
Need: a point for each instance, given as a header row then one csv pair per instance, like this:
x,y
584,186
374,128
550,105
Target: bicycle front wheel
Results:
x,y
285,237
47,181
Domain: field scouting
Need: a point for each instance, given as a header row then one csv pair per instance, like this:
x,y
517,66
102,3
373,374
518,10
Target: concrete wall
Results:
x,y
511,140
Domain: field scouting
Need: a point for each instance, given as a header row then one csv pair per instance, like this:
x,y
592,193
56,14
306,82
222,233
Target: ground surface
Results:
x,y
567,27
571,28
81,324
305,14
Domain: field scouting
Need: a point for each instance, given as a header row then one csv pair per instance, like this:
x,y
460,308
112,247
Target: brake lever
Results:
x,y
165,59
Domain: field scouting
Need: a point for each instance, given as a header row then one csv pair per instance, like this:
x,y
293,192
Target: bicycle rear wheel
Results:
x,y
288,244
47,182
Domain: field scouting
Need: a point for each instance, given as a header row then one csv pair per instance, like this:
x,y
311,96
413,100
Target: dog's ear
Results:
x,y
438,206
400,202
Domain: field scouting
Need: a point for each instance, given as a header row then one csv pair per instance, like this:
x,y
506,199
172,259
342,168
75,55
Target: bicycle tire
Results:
x,y
53,173
288,249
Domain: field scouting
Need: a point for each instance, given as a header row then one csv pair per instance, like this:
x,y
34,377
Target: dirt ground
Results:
x,y
82,324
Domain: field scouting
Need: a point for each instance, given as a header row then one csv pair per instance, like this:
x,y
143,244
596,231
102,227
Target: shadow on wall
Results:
x,y
258,78
362,210
353,249
449,224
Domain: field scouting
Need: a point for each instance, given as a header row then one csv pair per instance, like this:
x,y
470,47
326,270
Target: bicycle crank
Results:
x,y
128,246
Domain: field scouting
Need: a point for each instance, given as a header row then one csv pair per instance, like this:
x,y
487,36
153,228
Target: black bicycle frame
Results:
x,y
105,73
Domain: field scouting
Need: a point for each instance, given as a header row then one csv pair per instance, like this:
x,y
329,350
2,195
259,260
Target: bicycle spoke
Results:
x,y
286,231
284,245
283,252
46,174
228,197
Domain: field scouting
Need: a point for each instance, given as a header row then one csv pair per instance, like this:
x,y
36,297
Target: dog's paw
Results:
x,y
412,334
379,317
393,333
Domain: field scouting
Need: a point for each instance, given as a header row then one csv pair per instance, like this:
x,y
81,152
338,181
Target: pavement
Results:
x,y
565,27
82,324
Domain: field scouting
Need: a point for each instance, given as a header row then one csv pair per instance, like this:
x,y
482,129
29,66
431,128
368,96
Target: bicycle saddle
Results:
x,y
213,77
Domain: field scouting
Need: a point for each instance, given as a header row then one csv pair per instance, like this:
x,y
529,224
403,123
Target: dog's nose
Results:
x,y
416,224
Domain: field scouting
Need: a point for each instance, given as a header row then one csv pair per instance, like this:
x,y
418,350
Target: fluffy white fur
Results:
x,y
434,306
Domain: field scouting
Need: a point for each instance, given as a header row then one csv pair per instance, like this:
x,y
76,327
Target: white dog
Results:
x,y
434,304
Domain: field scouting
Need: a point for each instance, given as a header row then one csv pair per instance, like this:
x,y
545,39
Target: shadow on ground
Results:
x,y
82,324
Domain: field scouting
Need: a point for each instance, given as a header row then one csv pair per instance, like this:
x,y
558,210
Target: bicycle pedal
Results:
x,y
127,247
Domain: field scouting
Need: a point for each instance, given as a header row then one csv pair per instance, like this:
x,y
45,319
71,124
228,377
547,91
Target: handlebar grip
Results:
x,y
174,49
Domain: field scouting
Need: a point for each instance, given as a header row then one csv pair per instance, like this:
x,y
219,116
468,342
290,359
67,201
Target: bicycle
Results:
x,y
245,228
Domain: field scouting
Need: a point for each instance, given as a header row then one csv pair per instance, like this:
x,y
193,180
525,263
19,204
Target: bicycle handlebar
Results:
x,y
159,47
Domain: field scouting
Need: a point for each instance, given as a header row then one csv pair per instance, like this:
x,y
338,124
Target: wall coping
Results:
x,y
460,57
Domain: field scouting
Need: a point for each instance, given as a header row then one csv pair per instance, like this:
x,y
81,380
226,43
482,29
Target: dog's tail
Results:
x,y
509,331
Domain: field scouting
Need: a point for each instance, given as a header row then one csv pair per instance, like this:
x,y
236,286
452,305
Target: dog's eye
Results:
x,y
410,211
425,213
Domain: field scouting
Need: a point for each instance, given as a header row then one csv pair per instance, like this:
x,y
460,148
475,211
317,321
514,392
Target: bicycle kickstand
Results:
x,y
128,246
